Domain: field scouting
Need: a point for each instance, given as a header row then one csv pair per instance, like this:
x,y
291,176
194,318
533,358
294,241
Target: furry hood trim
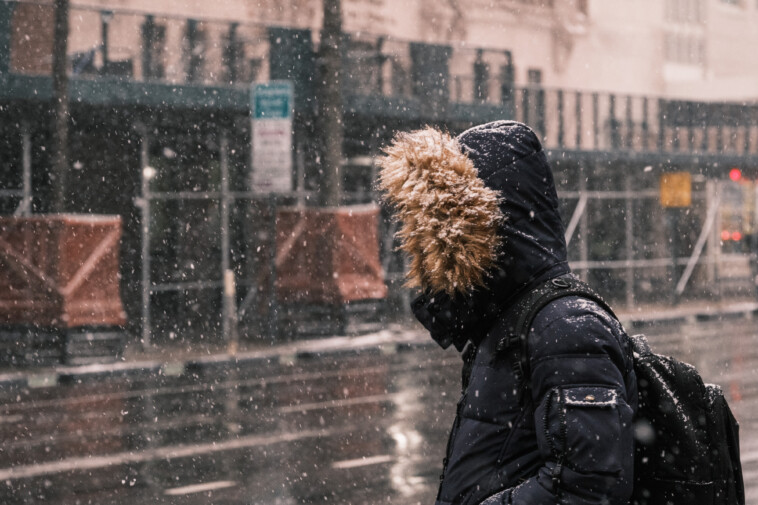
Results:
x,y
449,218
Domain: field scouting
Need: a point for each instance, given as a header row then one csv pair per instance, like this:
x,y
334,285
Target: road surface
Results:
x,y
365,426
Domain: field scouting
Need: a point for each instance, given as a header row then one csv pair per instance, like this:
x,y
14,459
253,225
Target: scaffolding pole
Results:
x,y
146,174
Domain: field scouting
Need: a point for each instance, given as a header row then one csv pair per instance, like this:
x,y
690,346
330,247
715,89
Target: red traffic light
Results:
x,y
735,174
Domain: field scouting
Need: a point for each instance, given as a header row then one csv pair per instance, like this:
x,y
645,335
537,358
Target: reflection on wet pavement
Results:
x,y
346,427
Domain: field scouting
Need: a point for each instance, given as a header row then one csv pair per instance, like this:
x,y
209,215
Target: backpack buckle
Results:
x,y
508,341
560,282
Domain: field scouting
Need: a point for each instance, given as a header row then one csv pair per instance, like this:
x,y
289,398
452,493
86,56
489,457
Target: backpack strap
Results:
x,y
526,308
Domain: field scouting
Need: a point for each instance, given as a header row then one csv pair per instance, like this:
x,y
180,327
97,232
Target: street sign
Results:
x,y
272,105
676,189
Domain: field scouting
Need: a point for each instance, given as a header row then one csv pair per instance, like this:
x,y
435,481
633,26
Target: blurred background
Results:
x,y
199,285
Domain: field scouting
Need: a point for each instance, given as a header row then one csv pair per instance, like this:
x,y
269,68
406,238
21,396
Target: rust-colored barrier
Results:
x,y
328,255
60,270
59,289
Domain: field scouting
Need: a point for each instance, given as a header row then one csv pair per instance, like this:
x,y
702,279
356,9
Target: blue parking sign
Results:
x,y
272,100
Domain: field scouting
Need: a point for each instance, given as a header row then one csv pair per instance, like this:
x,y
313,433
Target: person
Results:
x,y
480,222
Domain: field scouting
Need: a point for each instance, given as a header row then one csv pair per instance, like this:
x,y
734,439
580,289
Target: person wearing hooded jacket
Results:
x,y
480,221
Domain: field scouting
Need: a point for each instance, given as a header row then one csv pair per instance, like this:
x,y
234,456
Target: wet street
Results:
x,y
344,426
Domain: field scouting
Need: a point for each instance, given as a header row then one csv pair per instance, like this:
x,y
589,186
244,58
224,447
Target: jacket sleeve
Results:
x,y
581,385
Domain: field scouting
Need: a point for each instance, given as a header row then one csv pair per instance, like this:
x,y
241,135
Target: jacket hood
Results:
x,y
480,222
449,218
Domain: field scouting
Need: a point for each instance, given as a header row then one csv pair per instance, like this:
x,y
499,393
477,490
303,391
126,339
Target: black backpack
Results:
x,y
686,438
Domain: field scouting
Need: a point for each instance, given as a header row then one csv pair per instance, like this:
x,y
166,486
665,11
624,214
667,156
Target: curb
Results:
x,y
681,315
385,342
301,352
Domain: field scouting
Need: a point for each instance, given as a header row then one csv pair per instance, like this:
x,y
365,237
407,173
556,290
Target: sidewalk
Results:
x,y
166,361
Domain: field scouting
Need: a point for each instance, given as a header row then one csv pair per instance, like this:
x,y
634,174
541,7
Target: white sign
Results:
x,y
271,104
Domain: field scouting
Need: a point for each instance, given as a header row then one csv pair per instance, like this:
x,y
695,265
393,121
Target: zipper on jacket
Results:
x,y
451,437
515,424
468,355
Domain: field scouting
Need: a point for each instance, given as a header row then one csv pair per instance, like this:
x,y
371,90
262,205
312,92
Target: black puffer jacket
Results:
x,y
569,440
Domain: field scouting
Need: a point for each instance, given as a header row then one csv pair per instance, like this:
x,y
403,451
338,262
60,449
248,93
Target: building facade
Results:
x,y
688,49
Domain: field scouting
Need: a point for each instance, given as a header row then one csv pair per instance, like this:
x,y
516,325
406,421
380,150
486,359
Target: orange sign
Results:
x,y
676,189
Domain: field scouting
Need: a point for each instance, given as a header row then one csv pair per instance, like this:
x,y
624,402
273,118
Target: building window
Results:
x,y
233,55
481,78
507,79
534,77
684,41
365,62
195,40
684,11
686,49
153,49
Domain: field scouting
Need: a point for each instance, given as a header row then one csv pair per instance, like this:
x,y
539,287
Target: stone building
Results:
x,y
690,49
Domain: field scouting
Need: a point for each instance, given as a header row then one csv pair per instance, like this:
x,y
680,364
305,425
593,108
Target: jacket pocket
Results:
x,y
583,426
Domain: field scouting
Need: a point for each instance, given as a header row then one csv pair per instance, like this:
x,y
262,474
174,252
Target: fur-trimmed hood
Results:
x,y
480,222
449,218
